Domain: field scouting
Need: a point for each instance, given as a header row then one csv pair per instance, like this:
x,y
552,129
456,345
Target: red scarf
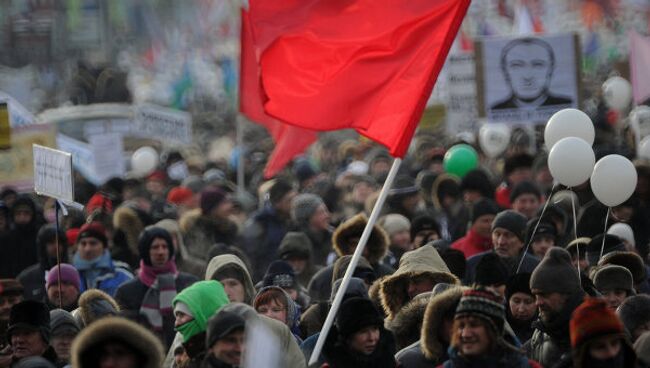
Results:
x,y
148,274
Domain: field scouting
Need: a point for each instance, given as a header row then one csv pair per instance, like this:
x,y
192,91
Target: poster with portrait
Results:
x,y
527,79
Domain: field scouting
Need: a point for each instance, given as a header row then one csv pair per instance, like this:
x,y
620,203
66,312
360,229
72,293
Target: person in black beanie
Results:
x,y
424,229
280,274
526,199
358,338
475,185
29,332
224,340
521,311
541,237
267,226
508,234
492,273
517,168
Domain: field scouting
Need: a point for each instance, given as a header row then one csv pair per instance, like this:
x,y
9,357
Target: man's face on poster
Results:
x,y
528,68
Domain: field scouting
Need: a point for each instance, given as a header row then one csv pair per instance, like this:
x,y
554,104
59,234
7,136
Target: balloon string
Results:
x,y
602,247
575,232
523,255
58,254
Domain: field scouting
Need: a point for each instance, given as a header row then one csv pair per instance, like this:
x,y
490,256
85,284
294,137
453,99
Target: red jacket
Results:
x,y
472,243
502,196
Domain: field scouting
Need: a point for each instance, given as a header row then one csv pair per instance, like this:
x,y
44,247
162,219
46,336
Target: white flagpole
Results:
x,y
355,259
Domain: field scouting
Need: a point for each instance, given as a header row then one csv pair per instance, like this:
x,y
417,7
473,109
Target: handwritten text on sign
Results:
x,y
165,124
53,173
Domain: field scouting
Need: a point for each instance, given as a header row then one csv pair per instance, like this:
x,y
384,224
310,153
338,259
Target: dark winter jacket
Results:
x,y
262,236
320,286
22,251
530,262
337,354
210,361
503,358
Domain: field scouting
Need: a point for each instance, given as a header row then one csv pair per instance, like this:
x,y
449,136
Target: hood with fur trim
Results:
x,y
407,323
438,307
422,261
93,305
126,220
378,242
219,262
85,354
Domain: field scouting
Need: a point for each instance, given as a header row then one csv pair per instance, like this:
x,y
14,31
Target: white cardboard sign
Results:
x,y
165,124
53,173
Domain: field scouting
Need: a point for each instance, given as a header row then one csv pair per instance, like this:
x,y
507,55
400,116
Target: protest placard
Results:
x,y
108,153
53,173
461,99
167,125
17,163
83,158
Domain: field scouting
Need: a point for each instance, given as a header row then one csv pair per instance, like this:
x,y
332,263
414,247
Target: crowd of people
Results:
x,y
488,270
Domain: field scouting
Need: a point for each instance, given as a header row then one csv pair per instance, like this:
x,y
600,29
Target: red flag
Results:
x,y
290,141
369,65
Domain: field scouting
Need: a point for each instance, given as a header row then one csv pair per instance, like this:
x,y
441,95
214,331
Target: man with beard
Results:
x,y
556,287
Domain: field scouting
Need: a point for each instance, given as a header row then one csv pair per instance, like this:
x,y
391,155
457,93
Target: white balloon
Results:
x,y
617,93
613,180
494,138
569,123
643,151
571,161
144,160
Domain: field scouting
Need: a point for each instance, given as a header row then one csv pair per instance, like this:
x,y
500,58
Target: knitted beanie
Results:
x,y
146,239
211,197
279,274
69,275
93,230
222,324
485,304
304,206
491,270
612,243
482,207
555,273
593,319
634,312
355,314
613,277
422,223
394,223
525,187
512,221
545,228
62,322
295,244
518,283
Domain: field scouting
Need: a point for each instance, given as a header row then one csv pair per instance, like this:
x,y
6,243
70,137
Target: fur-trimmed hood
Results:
x,y
436,187
93,305
378,242
438,307
422,261
219,262
126,220
407,323
84,352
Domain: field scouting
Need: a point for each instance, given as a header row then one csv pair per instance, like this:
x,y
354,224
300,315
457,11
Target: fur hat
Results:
x,y
555,273
629,260
512,163
87,346
95,304
593,319
303,207
612,243
211,197
483,207
525,187
613,277
422,223
485,304
30,315
377,245
356,314
441,306
394,223
146,239
511,221
479,181
93,230
491,270
634,312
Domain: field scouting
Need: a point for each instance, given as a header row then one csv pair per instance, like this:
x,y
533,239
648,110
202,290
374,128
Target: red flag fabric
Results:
x,y
369,65
290,141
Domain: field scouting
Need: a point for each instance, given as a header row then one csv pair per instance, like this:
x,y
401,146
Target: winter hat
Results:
x,y
634,312
221,324
630,260
10,287
555,273
454,259
303,170
491,270
47,234
62,322
593,319
179,195
72,235
304,206
515,162
356,314
483,207
95,304
230,271
511,221
99,202
356,288
279,189
211,197
579,244
157,175
423,223
613,277
518,283
69,275
642,349
33,362
544,228
29,315
279,274
404,186
93,230
203,298
623,231
214,176
146,239
394,223
477,180
612,243
525,187
194,183
295,244
485,304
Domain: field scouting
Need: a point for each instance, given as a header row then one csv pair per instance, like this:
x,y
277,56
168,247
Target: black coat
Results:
x,y
337,355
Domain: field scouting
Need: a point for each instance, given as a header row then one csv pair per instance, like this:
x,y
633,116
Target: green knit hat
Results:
x,y
204,299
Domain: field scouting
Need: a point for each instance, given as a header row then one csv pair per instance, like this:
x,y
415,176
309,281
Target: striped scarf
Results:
x,y
157,301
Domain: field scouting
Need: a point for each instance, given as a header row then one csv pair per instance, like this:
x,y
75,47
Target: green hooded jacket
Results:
x,y
204,299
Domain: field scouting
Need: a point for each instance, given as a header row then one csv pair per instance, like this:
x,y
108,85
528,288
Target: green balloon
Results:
x,y
460,159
